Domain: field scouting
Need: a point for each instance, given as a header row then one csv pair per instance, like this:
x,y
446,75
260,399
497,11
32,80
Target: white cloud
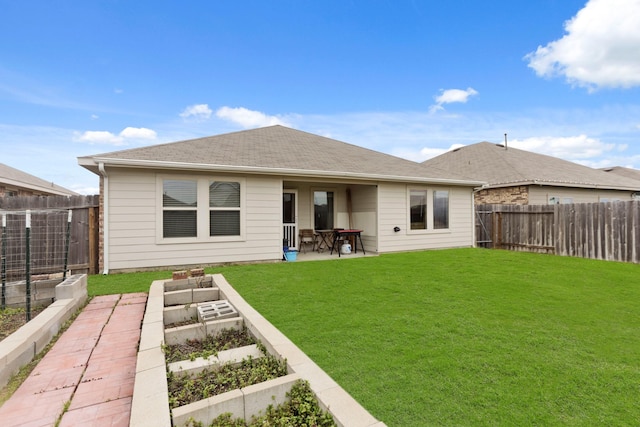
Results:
x,y
450,96
138,133
248,118
83,189
197,111
601,47
94,117
605,162
99,137
428,153
106,137
574,148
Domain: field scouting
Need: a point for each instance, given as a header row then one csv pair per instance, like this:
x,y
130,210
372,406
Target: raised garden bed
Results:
x,y
11,319
186,388
209,346
219,361
264,377
300,409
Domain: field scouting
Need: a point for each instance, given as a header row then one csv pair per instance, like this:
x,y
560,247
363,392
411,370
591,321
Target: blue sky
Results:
x,y
410,78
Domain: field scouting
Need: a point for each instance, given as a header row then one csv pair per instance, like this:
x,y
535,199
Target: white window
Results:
x,y
179,208
323,202
440,209
200,209
424,215
224,208
418,209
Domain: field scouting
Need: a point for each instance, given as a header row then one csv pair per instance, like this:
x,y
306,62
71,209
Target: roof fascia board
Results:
x,y
154,164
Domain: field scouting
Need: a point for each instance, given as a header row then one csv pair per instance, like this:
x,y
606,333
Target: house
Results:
x,y
14,182
235,197
521,177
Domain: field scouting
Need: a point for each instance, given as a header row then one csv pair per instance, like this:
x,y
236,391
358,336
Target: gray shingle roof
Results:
x,y
17,178
621,171
274,149
505,167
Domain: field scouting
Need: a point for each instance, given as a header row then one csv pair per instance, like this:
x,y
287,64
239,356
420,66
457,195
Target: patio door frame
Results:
x,y
290,230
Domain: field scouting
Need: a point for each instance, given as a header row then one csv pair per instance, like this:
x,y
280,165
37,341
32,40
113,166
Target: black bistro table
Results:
x,y
339,234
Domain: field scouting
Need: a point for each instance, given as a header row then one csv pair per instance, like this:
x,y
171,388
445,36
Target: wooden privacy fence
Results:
x,y
608,231
84,227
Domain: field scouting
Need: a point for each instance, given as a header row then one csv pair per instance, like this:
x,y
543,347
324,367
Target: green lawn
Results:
x,y
458,337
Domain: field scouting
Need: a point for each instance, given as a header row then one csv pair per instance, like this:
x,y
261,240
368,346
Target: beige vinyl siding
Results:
x,y
393,212
539,195
133,210
364,201
305,208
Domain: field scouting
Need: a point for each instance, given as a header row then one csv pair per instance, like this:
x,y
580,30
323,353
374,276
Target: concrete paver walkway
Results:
x,y
91,369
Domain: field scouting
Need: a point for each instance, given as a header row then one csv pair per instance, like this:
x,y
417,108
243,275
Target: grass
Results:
x,y
460,337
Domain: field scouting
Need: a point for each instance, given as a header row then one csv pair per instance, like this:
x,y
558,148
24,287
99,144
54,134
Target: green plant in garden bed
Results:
x,y
184,389
210,346
301,409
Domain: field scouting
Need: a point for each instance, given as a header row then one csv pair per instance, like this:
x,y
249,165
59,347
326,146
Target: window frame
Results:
x,y
425,195
202,209
429,197
187,208
213,209
334,210
433,202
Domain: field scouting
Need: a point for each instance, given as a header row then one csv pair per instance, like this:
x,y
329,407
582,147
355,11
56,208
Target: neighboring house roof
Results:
x,y
12,177
502,167
626,172
275,150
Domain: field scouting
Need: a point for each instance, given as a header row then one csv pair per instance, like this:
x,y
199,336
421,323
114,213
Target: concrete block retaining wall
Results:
x,y
199,331
22,346
150,406
42,292
232,356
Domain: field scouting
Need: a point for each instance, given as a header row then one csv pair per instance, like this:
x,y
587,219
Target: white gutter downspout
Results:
x,y
105,219
473,220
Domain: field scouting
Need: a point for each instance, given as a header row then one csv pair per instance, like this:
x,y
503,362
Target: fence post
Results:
x,y
4,261
28,262
66,246
497,230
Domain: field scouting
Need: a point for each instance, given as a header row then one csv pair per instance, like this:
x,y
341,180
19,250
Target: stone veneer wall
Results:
x,y
518,195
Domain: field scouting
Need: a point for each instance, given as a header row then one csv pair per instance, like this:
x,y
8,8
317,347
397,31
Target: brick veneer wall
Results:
x,y
16,191
518,195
